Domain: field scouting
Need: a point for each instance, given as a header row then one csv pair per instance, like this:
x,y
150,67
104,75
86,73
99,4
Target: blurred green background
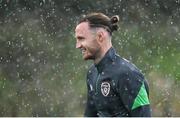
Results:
x,y
42,74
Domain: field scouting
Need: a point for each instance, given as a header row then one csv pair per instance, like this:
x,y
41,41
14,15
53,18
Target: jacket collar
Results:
x,y
108,58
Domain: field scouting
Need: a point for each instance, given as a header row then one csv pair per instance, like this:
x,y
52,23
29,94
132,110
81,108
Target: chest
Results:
x,y
101,84
103,90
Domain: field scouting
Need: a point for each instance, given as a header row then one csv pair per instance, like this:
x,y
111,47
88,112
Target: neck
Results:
x,y
102,53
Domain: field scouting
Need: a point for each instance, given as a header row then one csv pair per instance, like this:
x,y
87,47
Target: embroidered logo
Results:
x,y
105,88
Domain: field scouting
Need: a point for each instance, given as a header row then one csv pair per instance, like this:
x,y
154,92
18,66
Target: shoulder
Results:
x,y
127,72
126,66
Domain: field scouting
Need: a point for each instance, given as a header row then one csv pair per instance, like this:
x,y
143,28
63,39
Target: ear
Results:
x,y
100,36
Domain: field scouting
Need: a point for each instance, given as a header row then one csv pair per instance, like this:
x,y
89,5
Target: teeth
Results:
x,y
83,50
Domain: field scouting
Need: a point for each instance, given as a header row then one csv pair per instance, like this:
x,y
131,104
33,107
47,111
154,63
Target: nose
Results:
x,y
78,45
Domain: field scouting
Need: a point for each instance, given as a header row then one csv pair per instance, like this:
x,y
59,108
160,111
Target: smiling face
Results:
x,y
86,41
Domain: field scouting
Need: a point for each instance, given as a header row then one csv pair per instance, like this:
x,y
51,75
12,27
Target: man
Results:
x,y
115,86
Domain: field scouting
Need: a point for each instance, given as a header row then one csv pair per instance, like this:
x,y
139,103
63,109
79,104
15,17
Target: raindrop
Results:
x,y
70,81
125,88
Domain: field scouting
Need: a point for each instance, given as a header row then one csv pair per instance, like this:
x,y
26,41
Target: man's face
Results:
x,y
86,41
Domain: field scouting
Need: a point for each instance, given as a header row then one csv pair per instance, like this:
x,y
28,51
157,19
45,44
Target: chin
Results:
x,y
88,58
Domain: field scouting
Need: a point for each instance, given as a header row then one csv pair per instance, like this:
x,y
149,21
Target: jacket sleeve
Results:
x,y
134,93
90,110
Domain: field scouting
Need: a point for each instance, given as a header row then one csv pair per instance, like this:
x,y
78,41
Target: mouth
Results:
x,y
83,50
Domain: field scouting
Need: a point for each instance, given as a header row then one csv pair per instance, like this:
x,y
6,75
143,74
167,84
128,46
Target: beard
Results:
x,y
91,53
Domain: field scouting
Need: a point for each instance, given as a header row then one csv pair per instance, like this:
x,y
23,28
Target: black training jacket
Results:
x,y
116,88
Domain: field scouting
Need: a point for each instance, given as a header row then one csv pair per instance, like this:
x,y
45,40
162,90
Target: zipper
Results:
x,y
97,81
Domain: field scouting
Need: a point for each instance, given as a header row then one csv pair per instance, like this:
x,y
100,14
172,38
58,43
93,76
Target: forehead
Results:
x,y
82,28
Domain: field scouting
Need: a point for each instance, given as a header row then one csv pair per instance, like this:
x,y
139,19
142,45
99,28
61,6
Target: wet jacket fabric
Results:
x,y
116,88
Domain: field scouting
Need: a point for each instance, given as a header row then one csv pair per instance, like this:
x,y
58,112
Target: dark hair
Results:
x,y
101,20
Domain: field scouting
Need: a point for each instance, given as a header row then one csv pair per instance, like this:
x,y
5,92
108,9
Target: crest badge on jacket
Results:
x,y
105,88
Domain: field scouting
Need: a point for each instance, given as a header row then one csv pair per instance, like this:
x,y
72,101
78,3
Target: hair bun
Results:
x,y
114,19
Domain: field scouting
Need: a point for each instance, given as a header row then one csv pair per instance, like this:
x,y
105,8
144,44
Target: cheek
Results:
x,y
90,43
93,46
